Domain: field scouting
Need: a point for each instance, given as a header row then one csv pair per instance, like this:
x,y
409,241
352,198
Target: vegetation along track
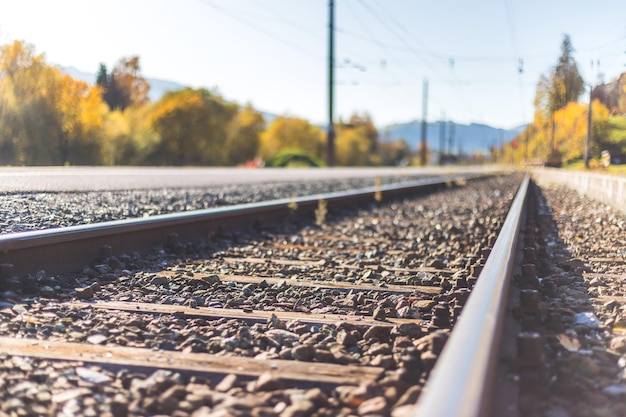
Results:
x,y
340,311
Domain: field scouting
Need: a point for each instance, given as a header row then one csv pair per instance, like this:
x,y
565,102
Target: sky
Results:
x,y
481,59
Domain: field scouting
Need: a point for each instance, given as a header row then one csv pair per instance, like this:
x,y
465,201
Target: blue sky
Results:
x,y
273,53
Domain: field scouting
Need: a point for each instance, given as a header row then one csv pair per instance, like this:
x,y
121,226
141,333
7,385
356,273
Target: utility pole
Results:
x,y
442,137
588,138
528,127
500,147
451,137
553,146
424,114
330,157
587,156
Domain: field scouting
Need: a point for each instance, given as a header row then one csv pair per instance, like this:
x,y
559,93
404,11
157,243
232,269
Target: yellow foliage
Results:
x,y
242,143
291,133
357,142
570,130
563,134
94,110
52,118
353,148
192,124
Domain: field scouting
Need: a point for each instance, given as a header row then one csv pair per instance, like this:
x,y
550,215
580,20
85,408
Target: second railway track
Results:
x,y
342,313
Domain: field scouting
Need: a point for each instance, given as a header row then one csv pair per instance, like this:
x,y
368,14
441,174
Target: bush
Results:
x,y
293,158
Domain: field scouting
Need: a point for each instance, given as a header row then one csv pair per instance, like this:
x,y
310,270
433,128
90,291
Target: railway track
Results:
x,y
302,306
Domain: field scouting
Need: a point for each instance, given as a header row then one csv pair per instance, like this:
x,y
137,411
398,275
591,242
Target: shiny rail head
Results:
x,y
460,384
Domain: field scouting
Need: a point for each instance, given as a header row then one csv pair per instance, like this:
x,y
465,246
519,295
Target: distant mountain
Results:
x,y
157,87
470,138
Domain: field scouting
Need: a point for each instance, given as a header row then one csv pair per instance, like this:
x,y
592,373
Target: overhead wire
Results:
x,y
257,28
379,63
377,72
510,14
614,50
451,81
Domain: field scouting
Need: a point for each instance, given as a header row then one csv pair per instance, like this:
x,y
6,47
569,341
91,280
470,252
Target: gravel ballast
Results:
x,y
583,257
581,249
43,210
429,241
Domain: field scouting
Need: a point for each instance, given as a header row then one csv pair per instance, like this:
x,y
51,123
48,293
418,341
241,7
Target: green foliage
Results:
x,y
617,132
292,159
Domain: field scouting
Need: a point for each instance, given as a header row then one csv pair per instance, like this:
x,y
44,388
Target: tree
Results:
x,y
600,128
542,95
68,98
571,129
365,124
102,78
291,133
128,139
192,127
46,117
357,142
353,148
127,76
124,86
23,116
569,125
563,85
567,84
242,142
555,91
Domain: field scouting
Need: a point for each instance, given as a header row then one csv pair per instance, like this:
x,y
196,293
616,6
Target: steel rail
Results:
x,y
461,383
68,248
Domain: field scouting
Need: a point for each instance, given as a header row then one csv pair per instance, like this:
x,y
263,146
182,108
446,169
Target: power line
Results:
x,y
451,81
393,31
380,63
512,31
235,16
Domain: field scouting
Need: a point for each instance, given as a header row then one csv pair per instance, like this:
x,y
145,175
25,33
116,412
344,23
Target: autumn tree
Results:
x,y
23,116
357,142
124,86
46,117
291,133
563,85
192,125
128,137
567,84
243,136
352,148
569,127
79,113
